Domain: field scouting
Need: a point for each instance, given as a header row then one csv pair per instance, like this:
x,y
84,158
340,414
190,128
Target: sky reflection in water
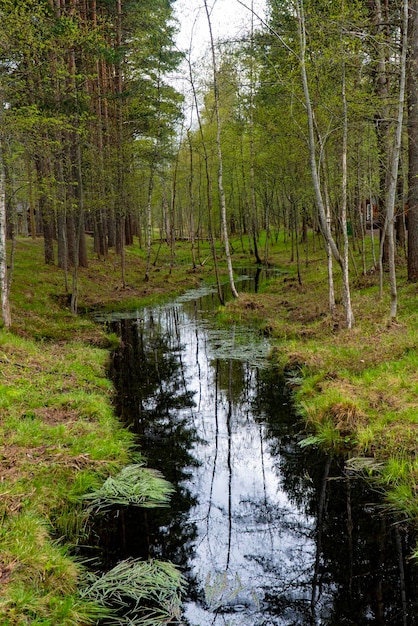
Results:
x,y
268,534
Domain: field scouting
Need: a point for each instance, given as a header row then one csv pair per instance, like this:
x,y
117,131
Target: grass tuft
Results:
x,y
135,485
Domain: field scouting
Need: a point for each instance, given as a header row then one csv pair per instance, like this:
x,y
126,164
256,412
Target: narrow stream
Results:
x,y
267,533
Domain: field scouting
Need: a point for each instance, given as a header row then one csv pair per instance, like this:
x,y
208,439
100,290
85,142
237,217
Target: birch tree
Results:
x,y
220,161
413,142
344,265
4,285
394,166
325,226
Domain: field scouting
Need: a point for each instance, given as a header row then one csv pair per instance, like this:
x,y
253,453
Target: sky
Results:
x,y
228,17
229,20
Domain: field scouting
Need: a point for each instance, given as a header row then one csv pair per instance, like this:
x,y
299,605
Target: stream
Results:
x,y
266,532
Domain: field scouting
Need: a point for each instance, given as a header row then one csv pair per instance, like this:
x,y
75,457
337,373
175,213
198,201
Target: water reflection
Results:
x,y
268,533
153,399
358,573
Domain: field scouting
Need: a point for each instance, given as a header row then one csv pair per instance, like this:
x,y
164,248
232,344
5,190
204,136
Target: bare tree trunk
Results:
x,y
5,304
220,162
314,169
330,262
390,202
31,203
345,269
149,218
331,290
173,209
383,115
44,206
209,189
252,171
413,143
191,198
79,226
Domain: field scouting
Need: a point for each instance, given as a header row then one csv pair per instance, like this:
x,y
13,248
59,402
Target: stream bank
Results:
x,y
52,373
356,390
259,524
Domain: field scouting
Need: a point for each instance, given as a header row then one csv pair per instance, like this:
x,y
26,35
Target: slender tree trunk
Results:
x,y
330,262
173,210
383,115
252,151
45,210
209,189
220,161
310,116
79,222
32,226
191,198
297,243
349,316
393,182
149,221
4,287
331,289
413,143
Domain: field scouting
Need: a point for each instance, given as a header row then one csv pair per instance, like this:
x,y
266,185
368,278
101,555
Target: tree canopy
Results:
x,y
302,109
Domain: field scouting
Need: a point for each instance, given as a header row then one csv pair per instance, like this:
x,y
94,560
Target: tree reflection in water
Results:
x,y
360,573
268,533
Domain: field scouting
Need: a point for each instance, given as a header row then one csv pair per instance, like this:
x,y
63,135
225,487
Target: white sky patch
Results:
x,y
229,18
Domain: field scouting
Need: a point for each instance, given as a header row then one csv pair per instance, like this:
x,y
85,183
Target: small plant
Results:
x,y
135,485
140,593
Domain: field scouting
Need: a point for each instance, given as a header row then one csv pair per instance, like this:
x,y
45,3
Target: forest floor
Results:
x,y
357,391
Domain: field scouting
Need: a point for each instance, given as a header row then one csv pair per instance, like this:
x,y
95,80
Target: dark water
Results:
x,y
266,532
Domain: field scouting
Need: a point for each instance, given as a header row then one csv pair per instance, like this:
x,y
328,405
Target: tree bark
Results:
x,y
45,210
208,187
394,167
345,270
4,287
412,217
220,160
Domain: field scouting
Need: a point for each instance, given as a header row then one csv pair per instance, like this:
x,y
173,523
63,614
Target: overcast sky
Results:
x,y
228,17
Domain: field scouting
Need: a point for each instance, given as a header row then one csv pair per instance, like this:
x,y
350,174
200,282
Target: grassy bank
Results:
x,y
60,437
357,392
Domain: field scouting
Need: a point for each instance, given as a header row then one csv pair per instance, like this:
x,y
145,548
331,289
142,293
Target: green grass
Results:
x,y
60,437
356,390
54,400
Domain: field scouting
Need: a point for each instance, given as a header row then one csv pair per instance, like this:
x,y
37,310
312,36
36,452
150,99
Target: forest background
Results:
x,y
296,146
